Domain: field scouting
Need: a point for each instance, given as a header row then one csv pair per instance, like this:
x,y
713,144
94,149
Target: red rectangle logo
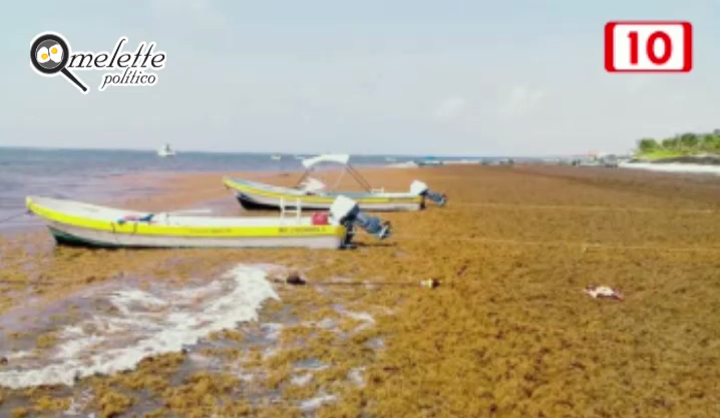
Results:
x,y
648,47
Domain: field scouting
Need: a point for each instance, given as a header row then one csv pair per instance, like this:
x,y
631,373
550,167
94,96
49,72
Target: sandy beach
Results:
x,y
507,333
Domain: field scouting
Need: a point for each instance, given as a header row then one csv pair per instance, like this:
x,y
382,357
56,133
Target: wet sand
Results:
x,y
508,332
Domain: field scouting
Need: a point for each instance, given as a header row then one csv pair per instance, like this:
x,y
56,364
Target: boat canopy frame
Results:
x,y
341,159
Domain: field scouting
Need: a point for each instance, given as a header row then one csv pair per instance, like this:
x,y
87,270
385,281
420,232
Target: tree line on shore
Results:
x,y
685,144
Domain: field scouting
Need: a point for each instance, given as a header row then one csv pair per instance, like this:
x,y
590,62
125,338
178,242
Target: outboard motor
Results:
x,y
347,212
419,188
372,224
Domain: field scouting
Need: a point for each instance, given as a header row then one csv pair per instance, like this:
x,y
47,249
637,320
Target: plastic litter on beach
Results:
x,y
603,292
430,283
294,279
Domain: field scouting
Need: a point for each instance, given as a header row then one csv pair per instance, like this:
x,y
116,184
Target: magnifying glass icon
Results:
x,y
49,55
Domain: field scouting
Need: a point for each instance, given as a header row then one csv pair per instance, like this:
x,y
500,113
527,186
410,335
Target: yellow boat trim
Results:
x,y
317,199
186,231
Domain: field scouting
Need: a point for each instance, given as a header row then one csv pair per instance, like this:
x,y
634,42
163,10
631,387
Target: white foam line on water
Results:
x,y
145,324
302,379
361,316
674,167
272,330
356,376
364,317
408,164
316,402
77,406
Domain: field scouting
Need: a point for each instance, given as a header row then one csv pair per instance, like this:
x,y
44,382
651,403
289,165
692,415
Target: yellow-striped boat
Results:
x,y
309,194
77,223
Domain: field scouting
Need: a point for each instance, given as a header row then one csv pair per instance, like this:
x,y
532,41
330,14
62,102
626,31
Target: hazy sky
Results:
x,y
515,77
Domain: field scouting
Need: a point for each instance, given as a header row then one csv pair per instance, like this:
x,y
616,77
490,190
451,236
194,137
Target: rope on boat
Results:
x,y
581,208
359,178
17,215
348,168
584,246
294,279
581,244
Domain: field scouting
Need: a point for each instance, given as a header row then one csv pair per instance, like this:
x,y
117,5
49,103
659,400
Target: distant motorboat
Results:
x,y
166,151
276,157
299,157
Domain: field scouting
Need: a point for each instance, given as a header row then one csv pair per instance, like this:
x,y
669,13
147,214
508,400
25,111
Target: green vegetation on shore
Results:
x,y
679,146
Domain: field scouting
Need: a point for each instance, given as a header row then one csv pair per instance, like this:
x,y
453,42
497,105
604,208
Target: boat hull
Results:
x,y
256,202
78,236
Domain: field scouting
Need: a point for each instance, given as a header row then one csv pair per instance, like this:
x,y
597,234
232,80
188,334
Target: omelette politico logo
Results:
x,y
50,55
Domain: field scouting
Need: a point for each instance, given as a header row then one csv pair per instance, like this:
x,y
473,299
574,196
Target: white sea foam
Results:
x,y
361,316
145,323
461,162
674,167
364,317
301,379
316,402
407,164
327,323
272,330
356,376
79,403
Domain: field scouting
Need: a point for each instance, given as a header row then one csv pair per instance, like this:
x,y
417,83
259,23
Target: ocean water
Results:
x,y
88,174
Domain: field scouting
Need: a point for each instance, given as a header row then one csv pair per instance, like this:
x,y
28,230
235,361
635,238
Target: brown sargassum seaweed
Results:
x,y
507,333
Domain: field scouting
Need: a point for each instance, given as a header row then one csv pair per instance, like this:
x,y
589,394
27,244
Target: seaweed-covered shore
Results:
x,y
507,333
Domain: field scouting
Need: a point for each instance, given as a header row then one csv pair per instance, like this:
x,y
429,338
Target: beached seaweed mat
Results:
x,y
508,332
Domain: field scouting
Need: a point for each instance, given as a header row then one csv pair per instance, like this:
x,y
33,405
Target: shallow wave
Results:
x,y
407,164
136,323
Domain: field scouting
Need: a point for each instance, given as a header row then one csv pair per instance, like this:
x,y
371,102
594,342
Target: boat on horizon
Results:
x,y
83,224
311,194
276,157
166,151
429,161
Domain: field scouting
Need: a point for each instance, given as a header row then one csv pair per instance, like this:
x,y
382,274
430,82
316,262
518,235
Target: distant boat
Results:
x,y
166,151
429,161
390,159
276,157
299,157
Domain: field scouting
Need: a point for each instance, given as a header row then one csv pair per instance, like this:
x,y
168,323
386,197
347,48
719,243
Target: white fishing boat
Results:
x,y
311,194
166,151
276,157
77,223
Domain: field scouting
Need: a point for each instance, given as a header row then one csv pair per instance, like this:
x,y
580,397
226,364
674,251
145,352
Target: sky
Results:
x,y
476,77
